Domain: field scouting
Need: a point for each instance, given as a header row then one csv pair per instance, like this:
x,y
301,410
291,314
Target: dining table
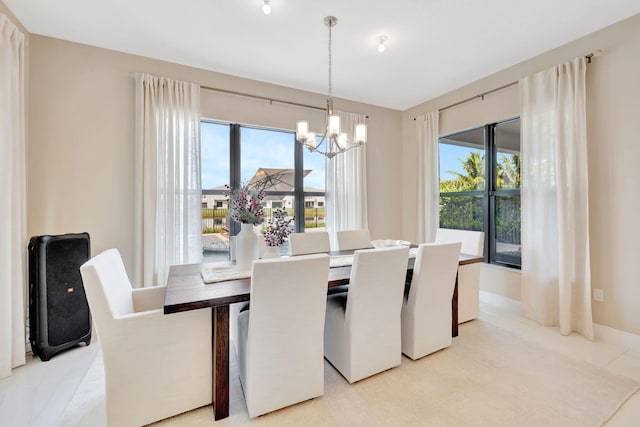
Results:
x,y
186,290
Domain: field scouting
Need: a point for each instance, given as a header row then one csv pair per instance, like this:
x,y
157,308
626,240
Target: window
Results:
x,y
270,159
480,187
314,191
215,171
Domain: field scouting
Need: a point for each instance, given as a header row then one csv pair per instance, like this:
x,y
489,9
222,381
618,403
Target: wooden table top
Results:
x,y
187,291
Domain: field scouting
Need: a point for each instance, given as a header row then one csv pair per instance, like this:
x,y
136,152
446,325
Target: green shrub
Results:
x,y
313,225
210,230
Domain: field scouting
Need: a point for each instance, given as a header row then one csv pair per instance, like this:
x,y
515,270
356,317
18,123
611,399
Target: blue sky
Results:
x,y
214,141
449,155
274,149
260,148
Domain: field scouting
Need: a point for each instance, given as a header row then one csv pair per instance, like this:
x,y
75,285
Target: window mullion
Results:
x,y
234,170
299,186
489,243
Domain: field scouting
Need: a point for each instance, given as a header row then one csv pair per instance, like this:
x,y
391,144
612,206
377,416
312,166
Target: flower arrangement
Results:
x,y
277,228
246,206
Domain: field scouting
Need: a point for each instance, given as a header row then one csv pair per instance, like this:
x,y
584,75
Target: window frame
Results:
x,y
235,152
490,191
494,192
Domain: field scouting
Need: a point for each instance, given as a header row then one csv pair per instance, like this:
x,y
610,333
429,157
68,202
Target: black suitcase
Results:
x,y
59,316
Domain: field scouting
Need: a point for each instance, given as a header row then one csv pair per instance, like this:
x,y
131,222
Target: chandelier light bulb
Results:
x,y
302,130
381,41
334,125
311,141
266,7
360,133
342,141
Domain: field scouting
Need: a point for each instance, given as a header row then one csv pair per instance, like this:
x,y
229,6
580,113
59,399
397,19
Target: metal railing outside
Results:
x,y
217,220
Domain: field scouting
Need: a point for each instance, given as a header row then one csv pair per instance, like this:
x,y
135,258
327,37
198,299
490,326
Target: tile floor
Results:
x,y
38,393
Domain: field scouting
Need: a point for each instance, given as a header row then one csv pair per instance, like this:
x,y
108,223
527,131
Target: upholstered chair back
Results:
x,y
426,312
110,287
468,275
472,241
362,327
353,239
280,346
314,242
374,280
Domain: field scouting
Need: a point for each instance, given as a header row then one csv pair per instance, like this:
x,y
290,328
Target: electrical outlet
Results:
x,y
598,295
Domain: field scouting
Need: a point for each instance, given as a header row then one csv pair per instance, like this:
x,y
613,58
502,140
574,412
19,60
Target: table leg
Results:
x,y
454,310
220,342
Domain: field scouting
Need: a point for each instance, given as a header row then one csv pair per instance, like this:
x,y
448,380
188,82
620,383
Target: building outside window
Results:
x,y
480,187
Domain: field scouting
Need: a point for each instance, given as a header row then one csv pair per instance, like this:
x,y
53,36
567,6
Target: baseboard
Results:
x,y
601,332
616,336
499,300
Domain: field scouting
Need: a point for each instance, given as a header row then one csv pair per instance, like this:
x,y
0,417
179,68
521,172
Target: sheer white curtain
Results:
x,y
428,190
556,276
13,211
168,218
346,182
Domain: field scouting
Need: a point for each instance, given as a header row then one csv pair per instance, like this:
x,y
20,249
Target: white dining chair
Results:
x,y
353,239
155,365
280,337
314,242
426,309
362,326
468,275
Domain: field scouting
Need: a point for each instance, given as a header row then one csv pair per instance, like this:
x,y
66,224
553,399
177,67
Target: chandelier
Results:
x,y
333,141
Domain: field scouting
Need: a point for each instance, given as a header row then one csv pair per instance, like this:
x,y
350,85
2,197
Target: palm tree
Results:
x,y
509,172
473,178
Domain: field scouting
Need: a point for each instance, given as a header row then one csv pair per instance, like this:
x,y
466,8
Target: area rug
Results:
x,y
488,377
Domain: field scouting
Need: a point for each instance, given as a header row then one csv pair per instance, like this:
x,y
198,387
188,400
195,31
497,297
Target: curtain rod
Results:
x,y
588,57
265,98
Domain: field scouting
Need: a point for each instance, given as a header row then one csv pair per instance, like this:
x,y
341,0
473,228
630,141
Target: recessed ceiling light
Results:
x,y
381,41
266,7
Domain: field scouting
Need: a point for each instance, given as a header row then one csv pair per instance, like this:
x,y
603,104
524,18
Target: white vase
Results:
x,y
271,252
246,247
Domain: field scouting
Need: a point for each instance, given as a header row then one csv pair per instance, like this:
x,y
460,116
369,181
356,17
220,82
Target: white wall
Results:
x,y
613,126
80,156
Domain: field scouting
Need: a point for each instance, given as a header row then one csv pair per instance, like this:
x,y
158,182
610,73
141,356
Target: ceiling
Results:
x,y
433,46
507,137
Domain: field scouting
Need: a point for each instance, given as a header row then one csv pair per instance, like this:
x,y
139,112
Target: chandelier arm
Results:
x,y
323,140
330,150
327,151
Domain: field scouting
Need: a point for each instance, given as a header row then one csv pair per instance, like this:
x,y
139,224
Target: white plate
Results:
x,y
388,242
